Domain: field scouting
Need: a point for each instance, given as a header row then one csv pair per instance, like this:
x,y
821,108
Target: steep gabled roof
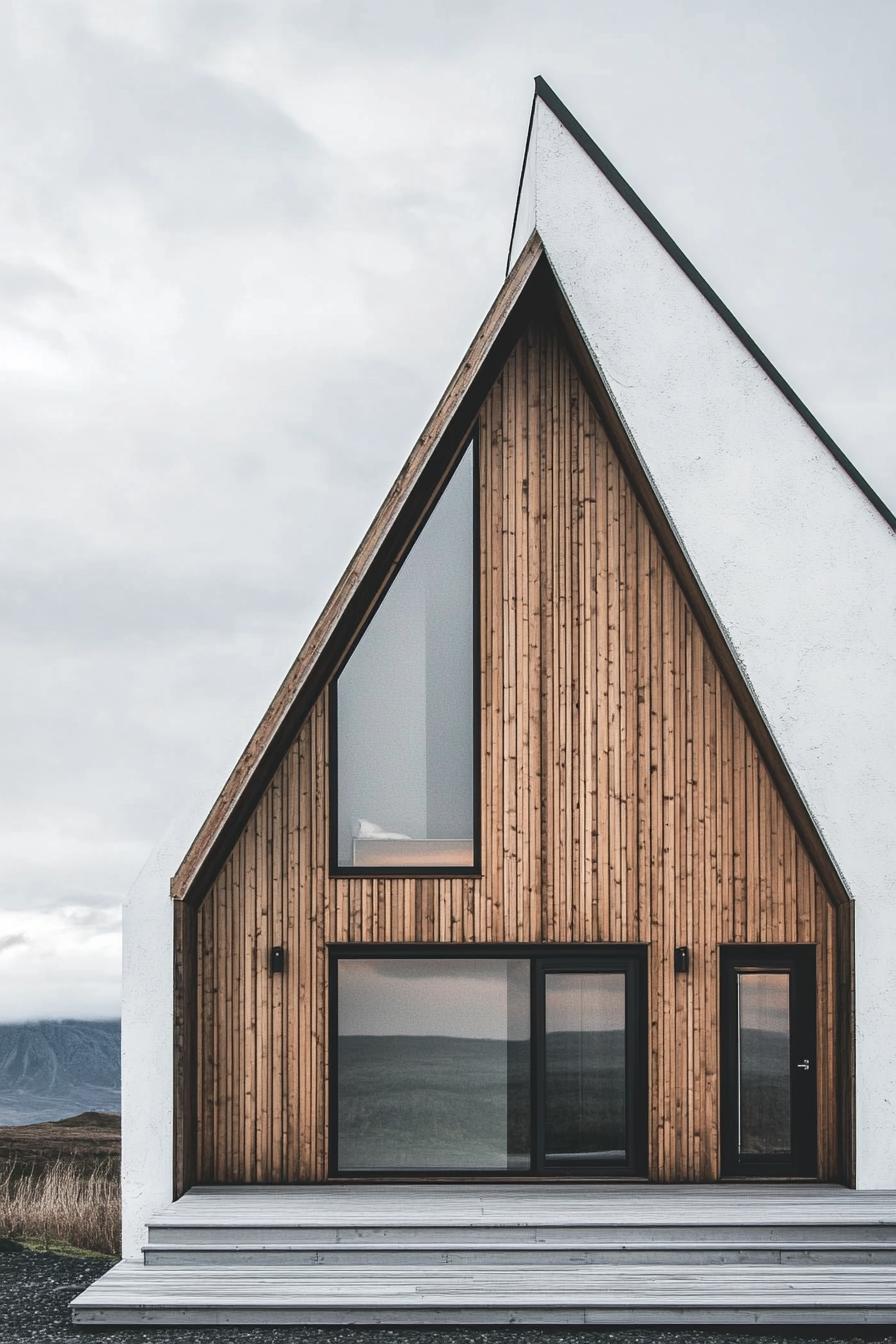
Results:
x,y
794,551
545,94
367,573
530,288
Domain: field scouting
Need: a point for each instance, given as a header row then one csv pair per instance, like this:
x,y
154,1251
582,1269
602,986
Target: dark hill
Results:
x,y
90,1120
87,1141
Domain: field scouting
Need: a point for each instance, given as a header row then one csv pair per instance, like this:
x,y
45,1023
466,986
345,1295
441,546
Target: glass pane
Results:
x,y
585,1066
763,1062
433,1064
405,705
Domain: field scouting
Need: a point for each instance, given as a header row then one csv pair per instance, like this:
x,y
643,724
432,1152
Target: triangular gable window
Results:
x,y
405,707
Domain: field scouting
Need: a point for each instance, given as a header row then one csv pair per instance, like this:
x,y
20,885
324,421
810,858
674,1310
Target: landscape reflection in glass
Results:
x,y
763,1043
404,721
585,1066
433,1064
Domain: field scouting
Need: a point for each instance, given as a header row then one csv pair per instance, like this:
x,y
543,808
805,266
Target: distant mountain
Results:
x,y
50,1070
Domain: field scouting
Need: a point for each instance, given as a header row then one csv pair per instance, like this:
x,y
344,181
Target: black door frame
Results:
x,y
799,961
632,966
632,957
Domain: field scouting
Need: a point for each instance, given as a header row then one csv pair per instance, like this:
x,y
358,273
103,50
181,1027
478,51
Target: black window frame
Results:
x,y
632,957
401,545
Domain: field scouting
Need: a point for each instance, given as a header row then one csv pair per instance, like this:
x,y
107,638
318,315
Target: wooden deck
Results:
x,y
503,1254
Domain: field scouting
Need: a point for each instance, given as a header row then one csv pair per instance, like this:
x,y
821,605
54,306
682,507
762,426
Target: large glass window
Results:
x,y
405,706
470,1061
433,1064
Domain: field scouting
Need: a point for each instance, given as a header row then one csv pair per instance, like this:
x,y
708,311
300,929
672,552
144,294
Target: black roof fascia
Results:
x,y
547,95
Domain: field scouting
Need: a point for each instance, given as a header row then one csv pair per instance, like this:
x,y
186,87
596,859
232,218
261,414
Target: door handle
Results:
x,y
803,1064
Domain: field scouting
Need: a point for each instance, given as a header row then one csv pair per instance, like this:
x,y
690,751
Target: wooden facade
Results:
x,y
624,799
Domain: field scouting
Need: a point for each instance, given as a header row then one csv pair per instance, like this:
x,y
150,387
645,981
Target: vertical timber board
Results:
x,y
623,798
184,1091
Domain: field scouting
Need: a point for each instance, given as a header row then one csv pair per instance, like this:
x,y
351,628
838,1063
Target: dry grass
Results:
x,y
62,1205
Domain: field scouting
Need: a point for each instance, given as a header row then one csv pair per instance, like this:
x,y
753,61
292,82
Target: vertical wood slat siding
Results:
x,y
623,799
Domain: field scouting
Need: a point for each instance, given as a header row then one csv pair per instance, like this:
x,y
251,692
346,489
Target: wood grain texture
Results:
x,y
184,984
624,799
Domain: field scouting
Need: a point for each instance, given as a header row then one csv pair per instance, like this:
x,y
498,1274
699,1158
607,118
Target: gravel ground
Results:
x,y
36,1289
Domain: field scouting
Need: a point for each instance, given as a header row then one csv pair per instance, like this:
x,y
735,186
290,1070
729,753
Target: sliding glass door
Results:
x,y
463,1061
585,1110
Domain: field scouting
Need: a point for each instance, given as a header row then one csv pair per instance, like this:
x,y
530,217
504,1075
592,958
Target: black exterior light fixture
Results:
x,y
681,959
277,959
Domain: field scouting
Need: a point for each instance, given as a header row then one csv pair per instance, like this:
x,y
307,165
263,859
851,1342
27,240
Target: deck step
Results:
x,y
200,1232
514,1253
136,1294
488,1254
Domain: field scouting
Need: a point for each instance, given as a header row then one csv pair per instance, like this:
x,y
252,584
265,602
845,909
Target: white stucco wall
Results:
x,y
146,1053
147,1028
798,565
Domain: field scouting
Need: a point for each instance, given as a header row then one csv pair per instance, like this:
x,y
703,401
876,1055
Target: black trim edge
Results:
x,y
469,443
547,95
519,189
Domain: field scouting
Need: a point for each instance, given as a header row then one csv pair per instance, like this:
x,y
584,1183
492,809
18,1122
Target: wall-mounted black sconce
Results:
x,y
277,959
681,959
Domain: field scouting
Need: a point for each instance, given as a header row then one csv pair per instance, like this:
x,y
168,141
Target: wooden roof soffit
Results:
x,y
280,722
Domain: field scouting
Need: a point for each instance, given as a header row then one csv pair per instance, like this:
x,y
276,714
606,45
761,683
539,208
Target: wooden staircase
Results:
x,y
509,1254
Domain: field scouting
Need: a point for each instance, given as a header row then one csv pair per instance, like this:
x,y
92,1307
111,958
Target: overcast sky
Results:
x,y
242,247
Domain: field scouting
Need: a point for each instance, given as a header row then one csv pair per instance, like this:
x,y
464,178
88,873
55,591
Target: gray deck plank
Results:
x,y
514,1205
133,1284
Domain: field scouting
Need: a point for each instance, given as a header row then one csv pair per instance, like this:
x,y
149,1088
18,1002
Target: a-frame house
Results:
x,y
554,889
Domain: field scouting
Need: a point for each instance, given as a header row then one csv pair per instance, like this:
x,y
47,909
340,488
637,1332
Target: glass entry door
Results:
x,y
769,1109
590,1066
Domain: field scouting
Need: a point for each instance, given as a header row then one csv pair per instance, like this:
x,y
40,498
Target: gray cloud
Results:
x,y
11,940
100,920
199,151
23,284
